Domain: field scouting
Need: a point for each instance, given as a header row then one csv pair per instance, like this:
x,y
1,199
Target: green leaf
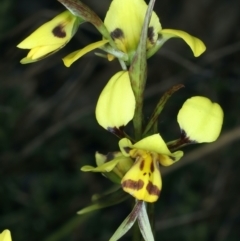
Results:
x,y
157,111
128,222
107,200
144,224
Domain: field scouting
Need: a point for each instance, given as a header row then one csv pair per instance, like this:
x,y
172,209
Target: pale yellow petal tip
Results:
x,y
200,48
196,45
200,119
5,235
87,168
116,104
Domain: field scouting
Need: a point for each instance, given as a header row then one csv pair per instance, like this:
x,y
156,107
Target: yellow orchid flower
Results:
x,y
125,28
199,119
116,104
143,180
50,37
5,235
124,21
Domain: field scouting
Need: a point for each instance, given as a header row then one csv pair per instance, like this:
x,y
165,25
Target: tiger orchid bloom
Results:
x,y
50,37
125,29
143,180
200,120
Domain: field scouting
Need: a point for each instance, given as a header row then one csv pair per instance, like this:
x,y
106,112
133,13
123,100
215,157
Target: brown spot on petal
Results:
x,y
110,156
117,34
142,165
172,158
131,184
185,139
150,35
59,32
152,189
152,167
117,131
127,149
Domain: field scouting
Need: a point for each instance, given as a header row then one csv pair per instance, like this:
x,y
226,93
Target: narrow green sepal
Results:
x,y
158,109
144,224
83,11
128,222
110,199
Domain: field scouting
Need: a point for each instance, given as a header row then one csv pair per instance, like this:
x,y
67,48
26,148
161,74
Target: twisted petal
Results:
x,y
116,103
71,58
124,21
196,45
5,235
200,119
50,37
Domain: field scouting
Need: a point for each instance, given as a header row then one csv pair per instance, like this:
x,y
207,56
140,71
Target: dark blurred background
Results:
x,y
48,128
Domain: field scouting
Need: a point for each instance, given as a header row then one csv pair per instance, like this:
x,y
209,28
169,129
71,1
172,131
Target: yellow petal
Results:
x,y
124,21
38,53
196,45
59,30
200,119
116,104
167,160
5,235
124,145
143,180
106,167
71,58
153,143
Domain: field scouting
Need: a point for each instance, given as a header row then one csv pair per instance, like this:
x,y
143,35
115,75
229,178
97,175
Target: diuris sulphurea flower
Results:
x,y
143,180
200,120
50,37
125,29
5,235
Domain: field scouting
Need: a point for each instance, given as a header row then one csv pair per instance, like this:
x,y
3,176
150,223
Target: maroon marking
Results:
x,y
152,167
135,185
142,165
150,34
59,31
152,189
117,131
117,34
110,156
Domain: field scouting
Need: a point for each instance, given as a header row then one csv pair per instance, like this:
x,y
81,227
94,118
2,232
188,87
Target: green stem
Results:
x,y
150,210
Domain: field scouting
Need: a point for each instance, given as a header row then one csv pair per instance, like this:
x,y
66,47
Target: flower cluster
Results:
x,y
131,32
